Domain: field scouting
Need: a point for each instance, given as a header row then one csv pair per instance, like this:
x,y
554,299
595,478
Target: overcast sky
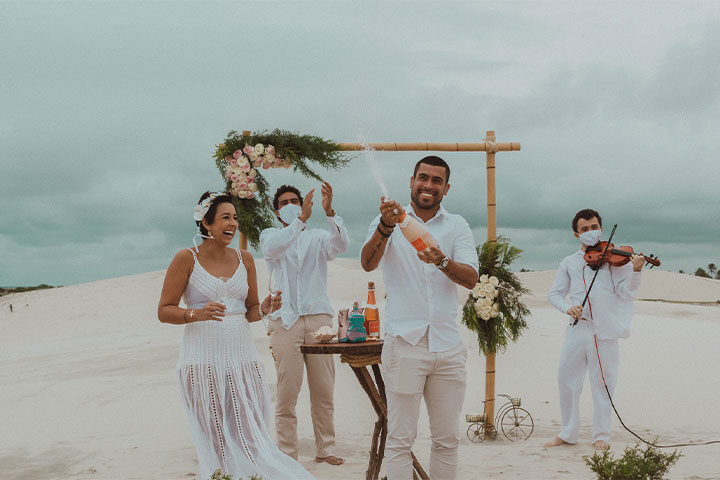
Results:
x,y
110,111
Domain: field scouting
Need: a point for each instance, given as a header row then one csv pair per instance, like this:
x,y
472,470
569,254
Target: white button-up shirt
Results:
x,y
297,257
420,297
610,305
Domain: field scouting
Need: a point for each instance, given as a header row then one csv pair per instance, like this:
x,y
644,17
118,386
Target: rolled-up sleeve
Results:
x,y
338,241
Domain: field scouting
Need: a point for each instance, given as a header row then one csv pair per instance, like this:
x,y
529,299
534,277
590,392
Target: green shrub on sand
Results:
x,y
635,464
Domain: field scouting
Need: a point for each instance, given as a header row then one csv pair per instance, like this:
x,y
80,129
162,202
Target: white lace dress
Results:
x,y
222,383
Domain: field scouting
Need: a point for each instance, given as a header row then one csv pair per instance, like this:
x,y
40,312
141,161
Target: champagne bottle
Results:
x,y
372,317
416,233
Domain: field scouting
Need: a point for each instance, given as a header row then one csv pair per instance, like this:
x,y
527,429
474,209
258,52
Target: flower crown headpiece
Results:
x,y
202,208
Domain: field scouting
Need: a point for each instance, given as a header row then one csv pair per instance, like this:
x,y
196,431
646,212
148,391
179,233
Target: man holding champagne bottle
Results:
x,y
425,251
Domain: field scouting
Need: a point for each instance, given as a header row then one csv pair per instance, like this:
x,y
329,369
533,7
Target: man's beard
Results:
x,y
418,201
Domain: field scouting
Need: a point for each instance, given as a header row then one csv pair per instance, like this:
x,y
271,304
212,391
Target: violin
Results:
x,y
615,256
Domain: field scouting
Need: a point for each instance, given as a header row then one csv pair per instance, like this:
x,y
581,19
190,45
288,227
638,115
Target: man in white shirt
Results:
x,y
423,354
605,318
297,258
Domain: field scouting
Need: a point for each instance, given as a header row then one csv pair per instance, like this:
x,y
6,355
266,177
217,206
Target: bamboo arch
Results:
x,y
490,147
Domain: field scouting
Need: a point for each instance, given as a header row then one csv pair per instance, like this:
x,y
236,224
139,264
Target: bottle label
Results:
x,y
419,244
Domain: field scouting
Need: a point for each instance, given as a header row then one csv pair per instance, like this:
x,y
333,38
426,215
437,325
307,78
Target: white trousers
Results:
x,y
411,373
579,356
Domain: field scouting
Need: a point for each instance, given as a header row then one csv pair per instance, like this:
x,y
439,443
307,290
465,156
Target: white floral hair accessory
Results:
x,y
202,208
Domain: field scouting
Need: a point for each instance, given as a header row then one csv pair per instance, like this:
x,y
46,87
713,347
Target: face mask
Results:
x,y
289,212
591,237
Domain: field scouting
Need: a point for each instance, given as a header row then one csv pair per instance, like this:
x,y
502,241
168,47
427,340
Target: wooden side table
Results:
x,y
359,356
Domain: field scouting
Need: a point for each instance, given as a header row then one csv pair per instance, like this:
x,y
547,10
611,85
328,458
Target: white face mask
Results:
x,y
591,237
289,212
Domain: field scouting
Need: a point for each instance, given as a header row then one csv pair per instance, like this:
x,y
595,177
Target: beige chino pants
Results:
x,y
321,382
412,372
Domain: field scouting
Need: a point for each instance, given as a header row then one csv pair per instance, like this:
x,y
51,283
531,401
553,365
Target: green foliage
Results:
x,y
495,334
700,272
255,215
7,291
219,475
635,464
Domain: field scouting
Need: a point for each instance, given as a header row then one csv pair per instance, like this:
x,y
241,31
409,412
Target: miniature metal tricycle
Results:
x,y
515,422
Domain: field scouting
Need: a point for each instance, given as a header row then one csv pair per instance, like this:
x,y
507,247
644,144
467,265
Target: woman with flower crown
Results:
x,y
221,377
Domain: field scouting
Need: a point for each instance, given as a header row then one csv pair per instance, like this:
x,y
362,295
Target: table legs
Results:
x,y
376,392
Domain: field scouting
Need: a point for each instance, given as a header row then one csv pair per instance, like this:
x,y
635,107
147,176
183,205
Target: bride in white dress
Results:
x,y
220,375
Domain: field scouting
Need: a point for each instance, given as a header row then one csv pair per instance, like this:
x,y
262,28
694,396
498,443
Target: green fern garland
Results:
x,y
298,151
495,334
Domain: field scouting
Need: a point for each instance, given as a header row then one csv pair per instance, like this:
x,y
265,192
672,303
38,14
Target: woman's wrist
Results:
x,y
189,315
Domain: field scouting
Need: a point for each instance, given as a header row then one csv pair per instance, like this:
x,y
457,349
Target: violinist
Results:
x,y
593,329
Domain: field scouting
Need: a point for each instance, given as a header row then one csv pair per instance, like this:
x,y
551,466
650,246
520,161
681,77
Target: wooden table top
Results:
x,y
369,347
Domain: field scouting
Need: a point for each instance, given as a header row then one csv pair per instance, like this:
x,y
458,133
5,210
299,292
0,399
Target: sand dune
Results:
x,y
88,388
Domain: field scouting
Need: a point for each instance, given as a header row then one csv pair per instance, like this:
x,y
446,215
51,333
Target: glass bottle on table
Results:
x,y
372,317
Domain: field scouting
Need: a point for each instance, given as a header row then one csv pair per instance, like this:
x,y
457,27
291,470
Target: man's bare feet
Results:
x,y
556,443
601,445
332,460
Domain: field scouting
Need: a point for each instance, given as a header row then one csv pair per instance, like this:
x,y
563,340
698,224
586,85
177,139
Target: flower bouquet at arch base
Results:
x,y
494,310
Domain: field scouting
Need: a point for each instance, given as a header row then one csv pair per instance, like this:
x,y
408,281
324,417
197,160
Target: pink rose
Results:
x,y
236,154
250,195
228,174
265,165
233,162
270,149
234,177
246,168
248,150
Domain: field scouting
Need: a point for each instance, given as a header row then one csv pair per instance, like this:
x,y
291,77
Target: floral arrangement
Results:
x,y
241,158
485,293
241,168
494,309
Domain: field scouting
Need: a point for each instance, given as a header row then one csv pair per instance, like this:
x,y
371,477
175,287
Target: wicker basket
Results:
x,y
475,417
516,401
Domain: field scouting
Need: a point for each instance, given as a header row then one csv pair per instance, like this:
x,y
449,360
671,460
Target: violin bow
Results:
x,y
602,257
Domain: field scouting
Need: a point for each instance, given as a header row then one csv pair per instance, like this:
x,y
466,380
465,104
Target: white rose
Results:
x,y
242,160
478,304
270,158
488,290
485,316
242,194
487,302
496,293
476,290
493,314
253,187
483,278
496,306
494,281
252,173
259,149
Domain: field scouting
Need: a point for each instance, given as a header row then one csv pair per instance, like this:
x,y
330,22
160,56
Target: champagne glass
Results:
x,y
221,292
274,289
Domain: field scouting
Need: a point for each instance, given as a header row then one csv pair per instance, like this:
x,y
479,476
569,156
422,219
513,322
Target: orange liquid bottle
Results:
x,y
372,317
416,233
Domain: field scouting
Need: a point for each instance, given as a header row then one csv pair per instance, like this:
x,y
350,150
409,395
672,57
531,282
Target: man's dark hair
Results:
x,y
585,214
210,215
285,189
435,162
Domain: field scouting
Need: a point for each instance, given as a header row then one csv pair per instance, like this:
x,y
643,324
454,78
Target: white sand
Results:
x,y
88,389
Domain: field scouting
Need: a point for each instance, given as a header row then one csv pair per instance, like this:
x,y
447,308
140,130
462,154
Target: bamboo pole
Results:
x,y
242,238
492,237
441,147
